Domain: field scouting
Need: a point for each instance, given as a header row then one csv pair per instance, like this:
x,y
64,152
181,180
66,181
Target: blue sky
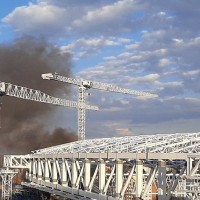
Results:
x,y
137,44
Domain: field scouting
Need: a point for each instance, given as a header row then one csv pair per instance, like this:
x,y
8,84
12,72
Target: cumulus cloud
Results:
x,y
53,18
85,47
105,17
38,19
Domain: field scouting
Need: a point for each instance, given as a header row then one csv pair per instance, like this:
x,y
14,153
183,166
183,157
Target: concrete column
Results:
x,y
39,170
161,180
189,165
55,173
74,173
46,172
34,168
29,172
139,178
102,175
64,174
87,174
119,177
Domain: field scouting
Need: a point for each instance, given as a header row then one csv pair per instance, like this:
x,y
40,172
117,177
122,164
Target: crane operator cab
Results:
x,y
87,84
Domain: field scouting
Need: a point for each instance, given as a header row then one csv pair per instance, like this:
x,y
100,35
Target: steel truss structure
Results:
x,y
162,143
7,176
117,168
9,89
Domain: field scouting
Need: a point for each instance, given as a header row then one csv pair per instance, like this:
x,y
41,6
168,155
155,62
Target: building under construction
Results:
x,y
147,167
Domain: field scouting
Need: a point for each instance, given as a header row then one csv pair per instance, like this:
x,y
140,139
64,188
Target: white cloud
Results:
x,y
90,46
124,40
162,13
108,15
133,46
178,41
191,73
90,43
37,19
150,78
163,62
51,18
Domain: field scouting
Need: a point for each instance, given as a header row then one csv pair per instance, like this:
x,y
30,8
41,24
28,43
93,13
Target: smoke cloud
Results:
x,y
22,121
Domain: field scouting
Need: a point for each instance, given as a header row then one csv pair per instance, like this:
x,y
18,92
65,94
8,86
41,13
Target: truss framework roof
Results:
x,y
159,143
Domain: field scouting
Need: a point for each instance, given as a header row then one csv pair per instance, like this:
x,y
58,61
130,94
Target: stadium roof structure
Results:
x,y
159,143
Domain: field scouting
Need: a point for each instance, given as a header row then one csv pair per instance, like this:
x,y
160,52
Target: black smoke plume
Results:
x,y
22,122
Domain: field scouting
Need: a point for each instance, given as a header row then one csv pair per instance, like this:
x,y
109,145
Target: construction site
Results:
x,y
148,167
39,164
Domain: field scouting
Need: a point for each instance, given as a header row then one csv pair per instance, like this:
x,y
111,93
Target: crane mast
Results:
x,y
86,84
9,89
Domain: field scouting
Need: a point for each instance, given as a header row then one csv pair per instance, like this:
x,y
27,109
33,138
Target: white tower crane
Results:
x,y
83,86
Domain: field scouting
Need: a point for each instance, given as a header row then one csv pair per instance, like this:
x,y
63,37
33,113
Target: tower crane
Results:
x,y
85,85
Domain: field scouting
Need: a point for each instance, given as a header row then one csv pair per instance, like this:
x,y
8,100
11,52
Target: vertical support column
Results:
x,y
87,174
28,174
31,169
39,170
102,175
119,177
139,178
55,173
189,165
34,168
7,176
161,180
46,172
74,173
64,174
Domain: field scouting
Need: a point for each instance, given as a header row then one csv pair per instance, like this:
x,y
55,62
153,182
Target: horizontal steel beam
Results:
x,y
60,190
131,156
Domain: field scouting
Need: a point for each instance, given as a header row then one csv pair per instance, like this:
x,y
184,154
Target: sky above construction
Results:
x,y
136,44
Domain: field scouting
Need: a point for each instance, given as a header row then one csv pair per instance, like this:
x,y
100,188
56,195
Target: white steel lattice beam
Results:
x,y
81,114
36,95
16,161
171,143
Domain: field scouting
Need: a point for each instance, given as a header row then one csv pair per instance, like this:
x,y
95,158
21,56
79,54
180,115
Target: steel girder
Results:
x,y
17,161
